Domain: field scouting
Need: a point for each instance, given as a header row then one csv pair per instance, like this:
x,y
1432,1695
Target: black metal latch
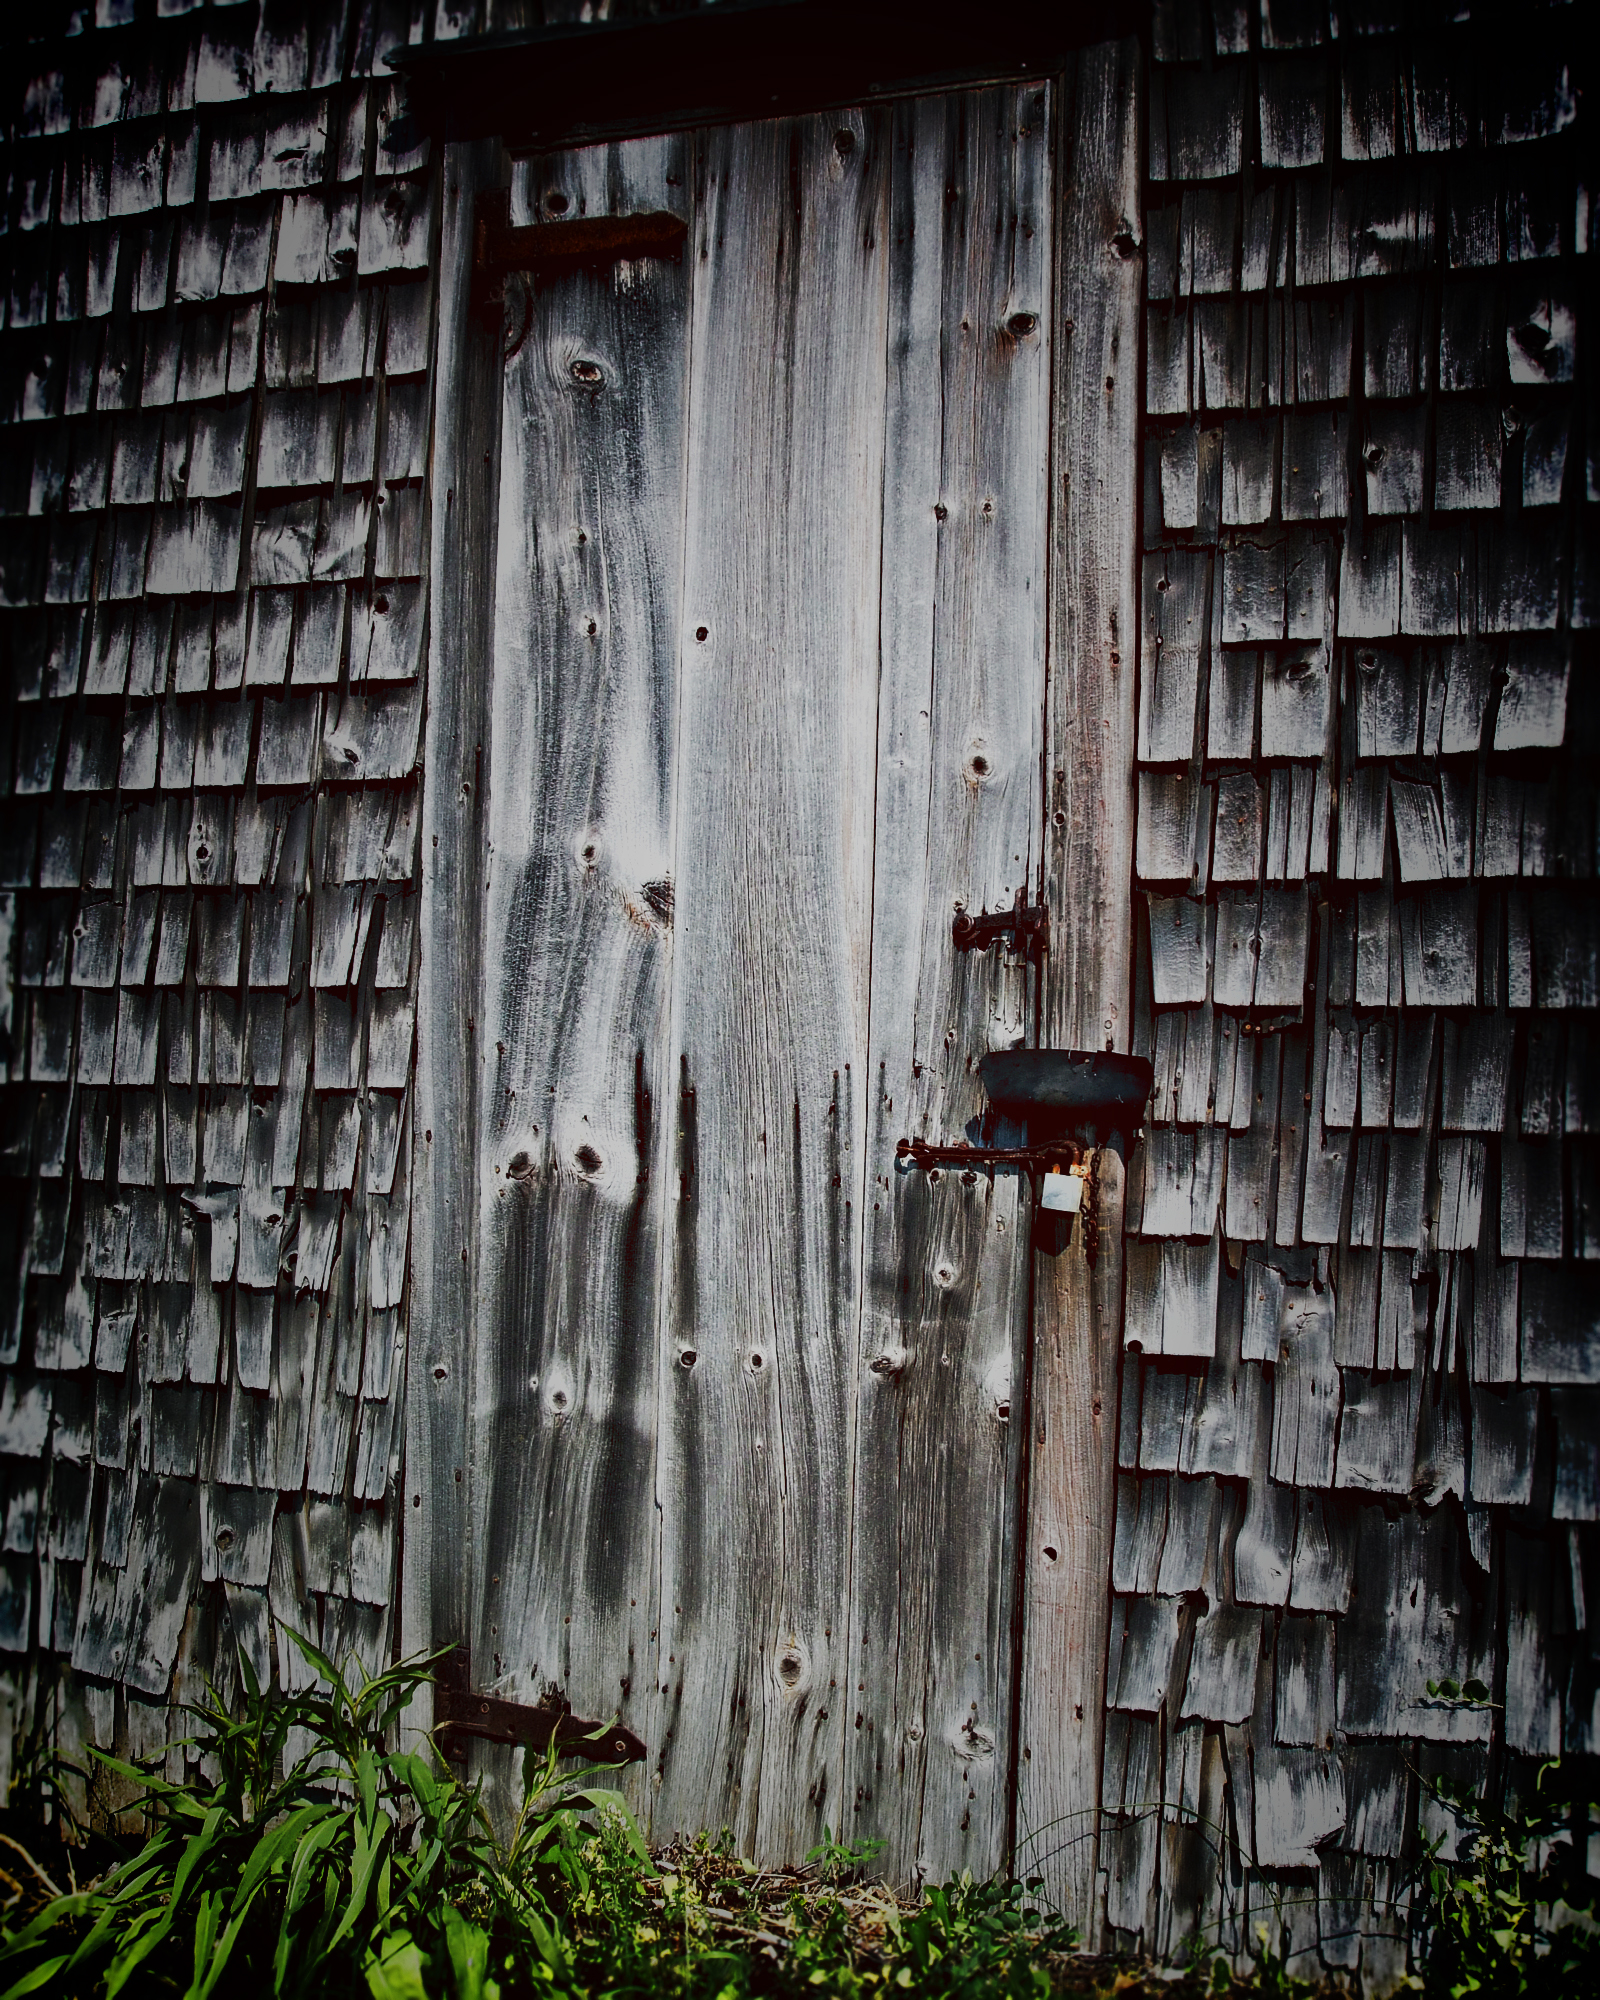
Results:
x,y
1065,1098
1027,924
574,243
459,1713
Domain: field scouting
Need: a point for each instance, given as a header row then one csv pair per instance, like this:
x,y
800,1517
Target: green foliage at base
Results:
x,y
317,1859
1513,1912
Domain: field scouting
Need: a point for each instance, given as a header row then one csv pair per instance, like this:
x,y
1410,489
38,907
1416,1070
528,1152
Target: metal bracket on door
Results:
x,y
549,249
459,1713
1027,925
921,1153
1055,1093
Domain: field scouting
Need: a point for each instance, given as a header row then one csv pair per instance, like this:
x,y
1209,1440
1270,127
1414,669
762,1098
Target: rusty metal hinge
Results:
x,y
926,1153
1027,924
459,1713
548,249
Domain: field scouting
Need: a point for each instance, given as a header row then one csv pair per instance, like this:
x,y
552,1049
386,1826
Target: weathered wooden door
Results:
x,y
745,1451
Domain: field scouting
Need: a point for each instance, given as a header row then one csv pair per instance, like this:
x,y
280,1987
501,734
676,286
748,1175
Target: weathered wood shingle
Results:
x,y
166,362
1399,1145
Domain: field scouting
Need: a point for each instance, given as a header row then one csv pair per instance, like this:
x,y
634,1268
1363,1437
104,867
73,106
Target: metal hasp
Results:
x,y
548,249
1054,1092
459,1713
924,1153
1027,925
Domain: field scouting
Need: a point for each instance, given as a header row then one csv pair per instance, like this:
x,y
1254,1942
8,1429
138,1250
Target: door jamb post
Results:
x,y
462,536
1089,824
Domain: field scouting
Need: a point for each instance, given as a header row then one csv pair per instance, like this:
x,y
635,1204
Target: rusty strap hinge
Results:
x,y
1027,925
930,1153
547,249
459,1713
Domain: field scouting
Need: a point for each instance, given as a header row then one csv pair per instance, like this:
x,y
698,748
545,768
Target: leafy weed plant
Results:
x,y
318,1859
338,1870
1513,1913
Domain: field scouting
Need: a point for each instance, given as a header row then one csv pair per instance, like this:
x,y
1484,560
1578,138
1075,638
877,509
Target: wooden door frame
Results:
x,y
1091,665
468,378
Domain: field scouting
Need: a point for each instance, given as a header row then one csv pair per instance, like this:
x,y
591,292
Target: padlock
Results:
x,y
1061,1192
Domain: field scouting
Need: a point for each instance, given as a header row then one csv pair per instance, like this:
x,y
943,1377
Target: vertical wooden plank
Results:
x,y
579,928
1089,795
462,534
770,974
960,719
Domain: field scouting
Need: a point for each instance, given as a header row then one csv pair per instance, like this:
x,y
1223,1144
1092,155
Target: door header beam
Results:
x,y
543,88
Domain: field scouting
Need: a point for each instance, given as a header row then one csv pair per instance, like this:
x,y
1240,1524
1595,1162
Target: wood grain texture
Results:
x,y
770,974
435,1570
961,708
578,920
1089,771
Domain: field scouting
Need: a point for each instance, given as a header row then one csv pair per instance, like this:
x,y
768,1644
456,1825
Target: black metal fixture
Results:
x,y
1073,1087
458,1713
1069,1099
573,243
1026,924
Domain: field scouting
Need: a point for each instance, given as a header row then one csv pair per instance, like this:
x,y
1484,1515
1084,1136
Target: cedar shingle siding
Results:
x,y
1359,1403
1358,1439
216,397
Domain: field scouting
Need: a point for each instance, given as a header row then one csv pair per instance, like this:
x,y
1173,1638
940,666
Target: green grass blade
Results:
x,y
133,1953
273,1847
220,1956
52,1914
368,1855
315,1657
195,1850
31,1982
367,1781
396,1973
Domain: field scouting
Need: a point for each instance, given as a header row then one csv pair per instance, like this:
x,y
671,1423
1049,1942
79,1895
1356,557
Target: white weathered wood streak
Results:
x,y
434,1574
579,923
961,709
770,974
1089,767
